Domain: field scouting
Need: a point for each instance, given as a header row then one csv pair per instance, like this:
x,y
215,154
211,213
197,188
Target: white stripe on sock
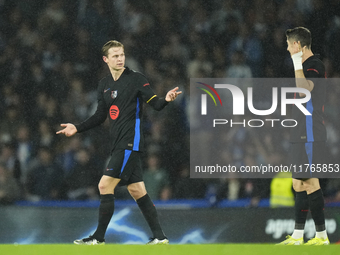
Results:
x,y
298,233
321,234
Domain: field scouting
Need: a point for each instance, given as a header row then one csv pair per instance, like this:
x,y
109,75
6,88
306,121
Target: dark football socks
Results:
x,y
150,214
106,209
316,205
301,209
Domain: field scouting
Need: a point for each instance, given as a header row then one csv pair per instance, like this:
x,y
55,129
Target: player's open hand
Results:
x,y
69,129
172,94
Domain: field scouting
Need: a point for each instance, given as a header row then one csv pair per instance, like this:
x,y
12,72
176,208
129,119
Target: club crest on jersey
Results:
x,y
114,94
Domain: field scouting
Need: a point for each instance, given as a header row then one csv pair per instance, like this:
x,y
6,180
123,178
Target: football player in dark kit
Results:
x,y
120,97
308,138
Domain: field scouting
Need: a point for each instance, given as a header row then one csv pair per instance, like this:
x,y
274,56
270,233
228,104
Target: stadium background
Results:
x,y
50,65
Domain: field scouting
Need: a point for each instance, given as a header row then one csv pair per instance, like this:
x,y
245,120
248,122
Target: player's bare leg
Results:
x,y
309,185
139,194
137,190
107,185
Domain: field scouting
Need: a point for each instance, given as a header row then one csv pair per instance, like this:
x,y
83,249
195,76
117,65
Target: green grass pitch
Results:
x,y
187,249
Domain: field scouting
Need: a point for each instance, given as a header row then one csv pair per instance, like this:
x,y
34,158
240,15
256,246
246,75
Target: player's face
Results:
x,y
115,58
293,46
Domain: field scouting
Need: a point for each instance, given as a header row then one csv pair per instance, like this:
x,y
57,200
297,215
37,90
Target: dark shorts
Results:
x,y
125,165
307,156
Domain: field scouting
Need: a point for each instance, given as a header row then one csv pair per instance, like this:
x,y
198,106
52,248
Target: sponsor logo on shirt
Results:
x,y
114,112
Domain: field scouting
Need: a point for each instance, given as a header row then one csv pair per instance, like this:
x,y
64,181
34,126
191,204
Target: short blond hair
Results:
x,y
109,45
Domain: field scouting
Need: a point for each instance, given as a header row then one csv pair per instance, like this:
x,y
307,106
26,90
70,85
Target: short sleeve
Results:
x,y
314,69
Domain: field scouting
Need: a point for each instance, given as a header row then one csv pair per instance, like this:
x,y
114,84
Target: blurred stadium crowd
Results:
x,y
50,65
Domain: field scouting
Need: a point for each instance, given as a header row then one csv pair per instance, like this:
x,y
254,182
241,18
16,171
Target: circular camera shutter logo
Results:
x,y
114,112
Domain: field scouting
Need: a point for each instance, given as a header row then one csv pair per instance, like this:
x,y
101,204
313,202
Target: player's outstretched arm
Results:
x,y
159,103
69,129
172,94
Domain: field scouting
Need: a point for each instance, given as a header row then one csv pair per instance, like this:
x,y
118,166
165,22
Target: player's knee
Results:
x,y
102,188
297,186
308,188
311,187
135,192
132,190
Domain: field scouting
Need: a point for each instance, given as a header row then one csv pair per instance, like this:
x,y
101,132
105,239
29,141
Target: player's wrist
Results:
x,y
297,61
78,127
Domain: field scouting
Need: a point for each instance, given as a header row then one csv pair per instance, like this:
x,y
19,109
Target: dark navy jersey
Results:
x,y
122,102
311,128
